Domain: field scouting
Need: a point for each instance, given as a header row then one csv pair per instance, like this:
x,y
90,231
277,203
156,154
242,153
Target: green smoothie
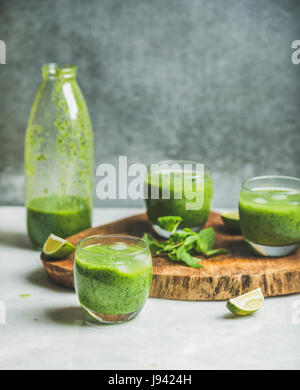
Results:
x,y
112,278
60,215
189,190
270,216
59,157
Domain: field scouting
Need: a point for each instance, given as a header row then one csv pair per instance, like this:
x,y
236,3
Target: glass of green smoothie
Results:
x,y
178,188
269,209
112,277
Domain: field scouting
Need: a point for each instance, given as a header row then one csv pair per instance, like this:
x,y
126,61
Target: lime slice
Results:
x,y
231,220
57,247
247,303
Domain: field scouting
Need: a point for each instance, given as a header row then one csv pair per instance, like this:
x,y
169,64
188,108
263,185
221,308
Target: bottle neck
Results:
x,y
54,71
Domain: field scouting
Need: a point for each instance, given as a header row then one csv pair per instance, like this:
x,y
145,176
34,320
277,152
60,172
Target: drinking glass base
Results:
x,y
272,251
94,318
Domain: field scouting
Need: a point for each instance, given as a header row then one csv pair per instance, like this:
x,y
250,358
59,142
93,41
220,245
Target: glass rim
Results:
x,y
268,177
120,236
206,167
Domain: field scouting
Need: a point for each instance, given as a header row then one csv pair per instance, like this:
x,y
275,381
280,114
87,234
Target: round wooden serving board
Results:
x,y
223,276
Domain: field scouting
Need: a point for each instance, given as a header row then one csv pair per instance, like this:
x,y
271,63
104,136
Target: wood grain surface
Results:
x,y
223,276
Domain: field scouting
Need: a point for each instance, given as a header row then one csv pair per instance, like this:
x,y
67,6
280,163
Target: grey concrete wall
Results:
x,y
205,80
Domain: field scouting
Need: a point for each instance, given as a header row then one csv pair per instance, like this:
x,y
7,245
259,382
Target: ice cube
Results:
x,y
260,200
118,246
141,257
278,197
124,268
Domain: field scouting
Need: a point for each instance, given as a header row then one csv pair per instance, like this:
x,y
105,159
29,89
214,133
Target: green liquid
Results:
x,y
117,282
62,216
271,217
189,190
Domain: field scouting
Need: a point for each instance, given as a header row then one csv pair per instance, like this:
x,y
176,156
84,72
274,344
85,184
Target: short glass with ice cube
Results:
x,y
112,277
269,209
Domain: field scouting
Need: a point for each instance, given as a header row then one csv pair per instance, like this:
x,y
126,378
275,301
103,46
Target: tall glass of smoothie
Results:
x,y
270,214
178,188
112,276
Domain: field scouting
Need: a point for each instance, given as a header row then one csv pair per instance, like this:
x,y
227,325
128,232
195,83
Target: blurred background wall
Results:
x,y
210,81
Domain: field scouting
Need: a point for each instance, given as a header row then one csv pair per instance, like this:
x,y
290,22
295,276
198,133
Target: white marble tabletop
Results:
x,y
45,329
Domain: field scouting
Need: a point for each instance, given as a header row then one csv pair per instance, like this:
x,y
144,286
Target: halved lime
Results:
x,y
231,220
57,247
246,304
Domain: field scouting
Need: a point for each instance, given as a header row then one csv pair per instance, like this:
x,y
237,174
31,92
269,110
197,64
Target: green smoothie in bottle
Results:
x,y
59,157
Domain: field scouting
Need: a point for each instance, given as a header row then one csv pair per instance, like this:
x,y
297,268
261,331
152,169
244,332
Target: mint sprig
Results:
x,y
169,223
183,245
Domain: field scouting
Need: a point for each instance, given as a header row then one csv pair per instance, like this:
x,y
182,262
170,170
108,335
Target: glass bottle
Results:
x,y
59,158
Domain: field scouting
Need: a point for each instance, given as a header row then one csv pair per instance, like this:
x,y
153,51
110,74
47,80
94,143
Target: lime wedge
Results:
x,y
57,247
246,304
231,220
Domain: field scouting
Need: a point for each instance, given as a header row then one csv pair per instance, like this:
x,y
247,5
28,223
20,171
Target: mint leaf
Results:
x,y
190,241
188,230
179,236
155,246
181,246
184,256
218,251
173,255
170,247
169,223
206,240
